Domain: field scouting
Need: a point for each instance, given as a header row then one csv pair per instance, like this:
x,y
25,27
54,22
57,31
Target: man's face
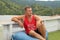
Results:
x,y
29,11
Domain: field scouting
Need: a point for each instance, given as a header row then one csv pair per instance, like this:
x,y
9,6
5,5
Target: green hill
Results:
x,y
53,4
15,7
7,7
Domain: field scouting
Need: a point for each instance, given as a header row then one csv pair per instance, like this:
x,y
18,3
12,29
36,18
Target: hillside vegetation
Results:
x,y
8,7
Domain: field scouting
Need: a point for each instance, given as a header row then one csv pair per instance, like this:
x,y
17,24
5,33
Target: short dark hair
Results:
x,y
27,7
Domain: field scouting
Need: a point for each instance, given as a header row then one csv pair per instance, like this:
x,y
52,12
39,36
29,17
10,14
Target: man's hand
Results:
x,y
20,24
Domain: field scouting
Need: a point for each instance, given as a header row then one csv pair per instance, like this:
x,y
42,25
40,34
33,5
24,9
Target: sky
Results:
x,y
47,0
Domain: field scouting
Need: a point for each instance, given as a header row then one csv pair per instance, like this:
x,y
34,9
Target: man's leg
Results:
x,y
42,29
34,34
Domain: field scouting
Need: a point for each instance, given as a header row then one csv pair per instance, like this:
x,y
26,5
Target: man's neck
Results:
x,y
28,16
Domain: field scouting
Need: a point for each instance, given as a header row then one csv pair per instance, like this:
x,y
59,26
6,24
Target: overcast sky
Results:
x,y
47,0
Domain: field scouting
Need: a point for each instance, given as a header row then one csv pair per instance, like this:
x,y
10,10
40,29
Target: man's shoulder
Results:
x,y
37,17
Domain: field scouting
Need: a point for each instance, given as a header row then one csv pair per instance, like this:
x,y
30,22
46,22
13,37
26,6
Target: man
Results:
x,y
32,23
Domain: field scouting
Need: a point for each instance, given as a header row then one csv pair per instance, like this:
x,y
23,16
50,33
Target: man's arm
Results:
x,y
18,20
40,26
38,21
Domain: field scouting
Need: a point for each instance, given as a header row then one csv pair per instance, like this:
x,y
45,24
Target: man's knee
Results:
x,y
31,32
